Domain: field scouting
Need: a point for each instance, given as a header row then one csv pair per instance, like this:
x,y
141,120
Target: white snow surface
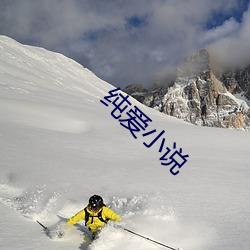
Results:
x,y
59,145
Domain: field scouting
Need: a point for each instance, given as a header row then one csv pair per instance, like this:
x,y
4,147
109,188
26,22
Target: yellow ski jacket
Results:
x,y
94,223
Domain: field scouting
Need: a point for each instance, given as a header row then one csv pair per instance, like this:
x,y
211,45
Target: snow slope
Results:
x,y
59,145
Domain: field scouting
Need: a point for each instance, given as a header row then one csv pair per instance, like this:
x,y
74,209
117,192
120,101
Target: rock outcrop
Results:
x,y
199,96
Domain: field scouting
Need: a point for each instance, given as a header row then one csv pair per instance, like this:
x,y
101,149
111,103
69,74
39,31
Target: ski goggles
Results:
x,y
94,208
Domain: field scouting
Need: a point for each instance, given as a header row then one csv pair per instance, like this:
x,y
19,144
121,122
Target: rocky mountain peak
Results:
x,y
200,96
196,64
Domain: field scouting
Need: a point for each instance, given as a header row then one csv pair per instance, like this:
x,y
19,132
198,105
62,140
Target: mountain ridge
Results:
x,y
201,95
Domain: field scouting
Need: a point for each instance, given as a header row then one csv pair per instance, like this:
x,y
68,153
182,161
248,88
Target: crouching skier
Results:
x,y
95,214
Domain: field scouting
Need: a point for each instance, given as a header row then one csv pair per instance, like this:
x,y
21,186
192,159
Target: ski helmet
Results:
x,y
95,202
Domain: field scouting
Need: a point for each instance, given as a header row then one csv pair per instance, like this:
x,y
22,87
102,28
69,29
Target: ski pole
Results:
x,y
45,228
146,238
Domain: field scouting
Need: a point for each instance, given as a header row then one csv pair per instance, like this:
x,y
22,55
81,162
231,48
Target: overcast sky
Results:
x,y
131,41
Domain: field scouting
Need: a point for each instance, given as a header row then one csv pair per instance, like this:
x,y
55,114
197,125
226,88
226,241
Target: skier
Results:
x,y
95,214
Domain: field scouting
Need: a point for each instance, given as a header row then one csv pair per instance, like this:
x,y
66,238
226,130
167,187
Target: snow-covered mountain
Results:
x,y
59,145
201,95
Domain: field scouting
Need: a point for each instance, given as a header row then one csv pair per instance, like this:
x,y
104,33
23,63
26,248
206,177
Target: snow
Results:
x,y
242,99
59,145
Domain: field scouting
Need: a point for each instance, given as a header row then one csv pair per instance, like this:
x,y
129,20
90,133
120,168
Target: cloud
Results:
x,y
228,28
233,49
125,42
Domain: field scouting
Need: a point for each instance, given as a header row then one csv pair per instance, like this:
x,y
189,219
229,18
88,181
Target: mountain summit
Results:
x,y
201,96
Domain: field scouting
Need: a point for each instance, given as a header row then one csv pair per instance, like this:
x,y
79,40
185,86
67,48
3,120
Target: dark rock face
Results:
x,y
237,81
137,91
201,97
